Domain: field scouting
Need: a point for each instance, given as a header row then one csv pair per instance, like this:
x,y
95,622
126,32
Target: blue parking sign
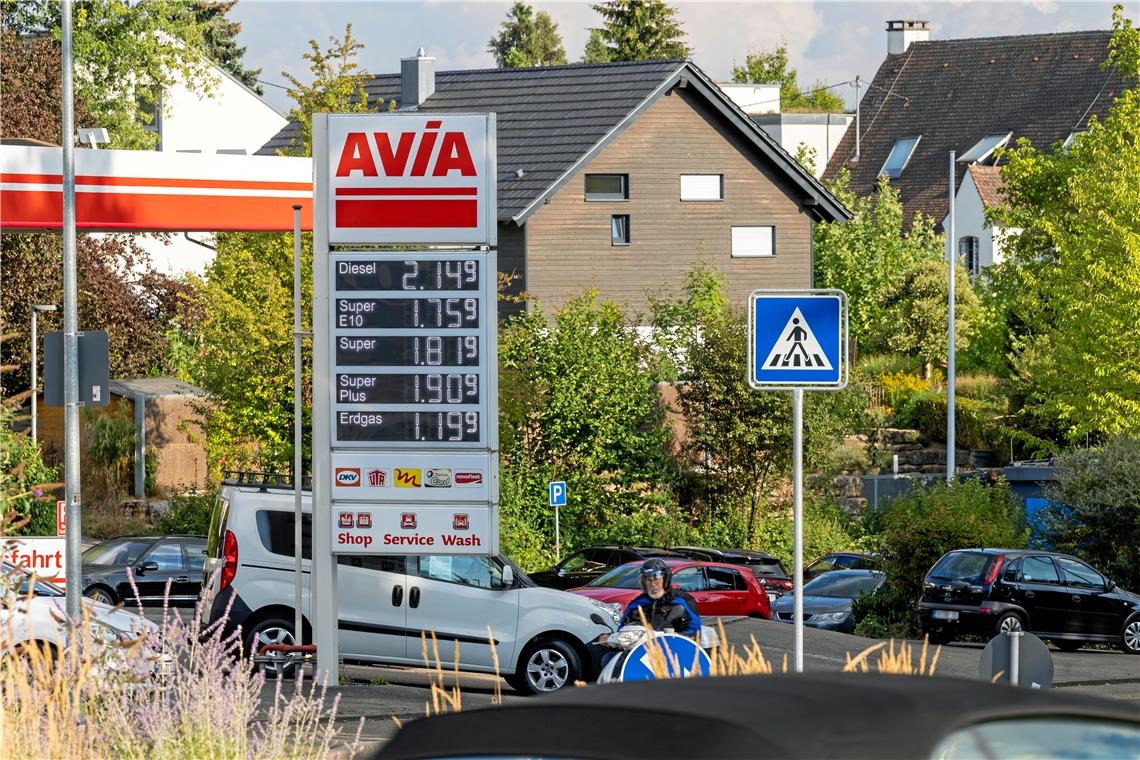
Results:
x,y
797,339
558,493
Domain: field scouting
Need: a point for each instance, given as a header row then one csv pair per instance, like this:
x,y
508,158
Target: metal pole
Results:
x,y
952,250
1014,657
35,380
298,471
798,521
72,492
857,154
557,537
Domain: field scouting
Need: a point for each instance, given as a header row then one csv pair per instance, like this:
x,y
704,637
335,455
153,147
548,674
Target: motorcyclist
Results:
x,y
662,605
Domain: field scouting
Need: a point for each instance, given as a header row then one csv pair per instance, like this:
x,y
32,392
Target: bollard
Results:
x,y
1014,656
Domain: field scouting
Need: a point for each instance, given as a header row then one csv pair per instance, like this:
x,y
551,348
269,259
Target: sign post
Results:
x,y
797,340
405,347
557,499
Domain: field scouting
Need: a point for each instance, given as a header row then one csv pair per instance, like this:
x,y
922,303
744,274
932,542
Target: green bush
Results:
x,y
919,528
887,613
974,424
24,502
188,514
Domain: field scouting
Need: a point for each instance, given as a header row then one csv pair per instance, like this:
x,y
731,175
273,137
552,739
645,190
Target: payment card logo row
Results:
x,y
407,477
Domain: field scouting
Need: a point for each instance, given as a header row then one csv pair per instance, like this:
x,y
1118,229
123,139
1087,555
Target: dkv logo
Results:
x,y
347,476
431,154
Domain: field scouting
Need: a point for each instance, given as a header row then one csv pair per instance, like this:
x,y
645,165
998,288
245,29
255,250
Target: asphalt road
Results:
x,y
378,694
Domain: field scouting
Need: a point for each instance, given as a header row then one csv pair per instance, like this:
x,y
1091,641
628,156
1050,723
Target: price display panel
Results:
x,y
409,349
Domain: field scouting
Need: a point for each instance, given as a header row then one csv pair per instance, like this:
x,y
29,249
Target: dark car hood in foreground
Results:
x,y
813,605
867,715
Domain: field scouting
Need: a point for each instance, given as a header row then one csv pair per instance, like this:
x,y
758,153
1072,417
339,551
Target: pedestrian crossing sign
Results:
x,y
797,339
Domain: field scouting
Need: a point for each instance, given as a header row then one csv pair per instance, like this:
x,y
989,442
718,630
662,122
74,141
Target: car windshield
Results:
x,y
841,585
963,566
767,567
625,576
16,579
120,552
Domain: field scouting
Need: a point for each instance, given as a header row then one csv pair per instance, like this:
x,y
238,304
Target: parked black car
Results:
x,y
585,565
154,560
1055,596
842,561
773,576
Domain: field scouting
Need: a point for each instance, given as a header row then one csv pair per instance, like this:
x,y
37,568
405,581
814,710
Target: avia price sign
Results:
x,y
411,178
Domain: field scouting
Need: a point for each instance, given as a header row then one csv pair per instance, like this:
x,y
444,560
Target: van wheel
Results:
x,y
546,666
271,631
1130,641
1008,622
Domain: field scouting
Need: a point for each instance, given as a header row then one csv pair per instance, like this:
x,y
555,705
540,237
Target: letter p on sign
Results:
x,y
558,493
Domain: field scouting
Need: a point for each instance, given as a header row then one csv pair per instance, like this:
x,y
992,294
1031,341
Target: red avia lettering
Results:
x,y
413,540
453,155
461,540
348,539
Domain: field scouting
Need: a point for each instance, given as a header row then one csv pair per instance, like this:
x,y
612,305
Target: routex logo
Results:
x,y
409,477
433,153
347,476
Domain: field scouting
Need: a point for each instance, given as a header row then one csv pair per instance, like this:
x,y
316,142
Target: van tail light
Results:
x,y
992,575
230,553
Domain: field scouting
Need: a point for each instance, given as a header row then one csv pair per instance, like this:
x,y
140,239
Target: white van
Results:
x,y
544,639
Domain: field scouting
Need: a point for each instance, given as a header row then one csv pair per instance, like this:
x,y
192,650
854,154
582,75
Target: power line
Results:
x,y
273,84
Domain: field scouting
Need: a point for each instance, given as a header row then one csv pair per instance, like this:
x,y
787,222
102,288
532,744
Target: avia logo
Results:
x,y
378,478
409,477
348,476
408,521
359,154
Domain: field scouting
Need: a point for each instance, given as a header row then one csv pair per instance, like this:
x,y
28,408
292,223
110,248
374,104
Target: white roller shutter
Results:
x,y
753,241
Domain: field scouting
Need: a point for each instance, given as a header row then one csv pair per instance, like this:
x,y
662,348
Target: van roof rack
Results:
x,y
265,480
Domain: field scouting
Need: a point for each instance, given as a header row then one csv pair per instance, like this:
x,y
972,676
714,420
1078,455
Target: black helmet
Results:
x,y
654,568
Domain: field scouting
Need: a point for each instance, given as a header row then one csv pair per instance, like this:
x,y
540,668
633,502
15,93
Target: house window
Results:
x,y
985,147
619,229
702,187
607,187
900,155
753,241
968,255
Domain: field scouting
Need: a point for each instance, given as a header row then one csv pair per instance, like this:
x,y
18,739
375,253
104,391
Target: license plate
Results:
x,y
944,614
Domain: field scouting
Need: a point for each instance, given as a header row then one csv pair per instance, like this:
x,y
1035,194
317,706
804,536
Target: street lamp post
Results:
x,y
36,310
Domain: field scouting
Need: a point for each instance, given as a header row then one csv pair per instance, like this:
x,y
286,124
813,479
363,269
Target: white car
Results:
x,y
40,619
543,639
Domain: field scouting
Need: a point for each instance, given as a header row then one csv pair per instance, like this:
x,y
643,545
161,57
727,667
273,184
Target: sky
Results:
x,y
827,42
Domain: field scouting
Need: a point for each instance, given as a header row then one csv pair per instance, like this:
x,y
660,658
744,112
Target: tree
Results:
x,y
338,87
596,50
220,38
126,54
1094,508
772,68
1075,266
916,315
578,402
527,40
241,346
738,438
30,89
640,30
870,252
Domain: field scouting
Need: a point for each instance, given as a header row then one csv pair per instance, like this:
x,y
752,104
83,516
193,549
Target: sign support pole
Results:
x,y
798,521
952,255
298,466
557,537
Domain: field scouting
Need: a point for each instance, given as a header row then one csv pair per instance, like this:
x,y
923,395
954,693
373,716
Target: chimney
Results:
x,y
417,80
903,32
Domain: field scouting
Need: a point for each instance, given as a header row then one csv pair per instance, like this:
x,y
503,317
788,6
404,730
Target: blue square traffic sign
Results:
x,y
558,493
797,339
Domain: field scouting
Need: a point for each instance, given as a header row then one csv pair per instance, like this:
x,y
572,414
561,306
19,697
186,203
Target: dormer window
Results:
x,y
900,155
985,148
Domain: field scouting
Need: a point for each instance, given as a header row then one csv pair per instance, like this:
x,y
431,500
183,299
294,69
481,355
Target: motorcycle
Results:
x,y
632,660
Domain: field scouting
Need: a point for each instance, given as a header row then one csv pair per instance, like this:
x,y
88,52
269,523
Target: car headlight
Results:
x,y
830,617
611,610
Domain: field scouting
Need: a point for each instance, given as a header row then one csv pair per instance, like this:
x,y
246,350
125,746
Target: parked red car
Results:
x,y
719,589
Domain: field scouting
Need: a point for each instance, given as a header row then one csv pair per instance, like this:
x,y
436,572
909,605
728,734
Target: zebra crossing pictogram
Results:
x,y
797,347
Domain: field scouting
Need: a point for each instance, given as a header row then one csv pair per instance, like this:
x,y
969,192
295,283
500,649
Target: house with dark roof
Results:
x,y
621,177
971,96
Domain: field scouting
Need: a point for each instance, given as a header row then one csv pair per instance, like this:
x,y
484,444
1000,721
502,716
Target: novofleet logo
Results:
x,y
409,477
347,476
438,477
467,479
